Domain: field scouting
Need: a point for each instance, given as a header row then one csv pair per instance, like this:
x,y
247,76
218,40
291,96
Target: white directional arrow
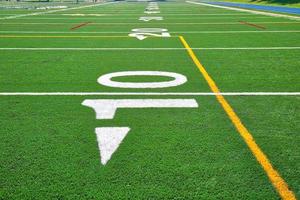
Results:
x,y
139,36
109,139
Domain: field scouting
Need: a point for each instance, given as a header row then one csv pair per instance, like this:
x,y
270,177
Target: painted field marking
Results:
x,y
139,49
106,14
185,32
143,33
80,25
117,18
149,93
178,79
151,12
146,19
64,36
275,178
78,14
233,32
152,6
106,108
109,138
252,24
246,10
52,11
165,14
112,14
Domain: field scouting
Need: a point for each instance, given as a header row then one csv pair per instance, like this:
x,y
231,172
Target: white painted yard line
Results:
x,y
183,32
118,18
208,14
52,11
246,10
49,32
246,48
148,93
161,23
138,14
100,18
142,49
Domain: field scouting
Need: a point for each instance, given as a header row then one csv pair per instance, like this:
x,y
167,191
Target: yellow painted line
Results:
x,y
275,178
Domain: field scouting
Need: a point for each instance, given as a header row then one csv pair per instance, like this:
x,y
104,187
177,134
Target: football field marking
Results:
x,y
246,10
79,25
106,108
140,48
146,19
90,14
119,136
229,16
109,139
64,36
178,79
233,32
53,11
79,14
252,24
114,14
149,93
185,32
275,178
143,33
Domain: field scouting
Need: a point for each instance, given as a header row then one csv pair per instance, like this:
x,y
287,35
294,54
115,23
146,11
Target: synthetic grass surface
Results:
x,y
184,154
48,144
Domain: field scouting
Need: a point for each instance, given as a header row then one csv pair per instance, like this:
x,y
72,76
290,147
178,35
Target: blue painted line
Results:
x,y
260,7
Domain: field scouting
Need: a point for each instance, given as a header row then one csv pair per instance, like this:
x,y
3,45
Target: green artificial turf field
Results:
x,y
189,143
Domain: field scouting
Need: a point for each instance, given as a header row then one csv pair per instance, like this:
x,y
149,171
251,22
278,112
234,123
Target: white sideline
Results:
x,y
246,10
148,93
52,11
145,49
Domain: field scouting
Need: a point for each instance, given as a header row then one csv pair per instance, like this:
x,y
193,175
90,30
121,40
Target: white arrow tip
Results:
x,y
109,139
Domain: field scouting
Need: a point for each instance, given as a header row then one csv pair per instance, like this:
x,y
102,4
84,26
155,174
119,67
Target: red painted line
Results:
x,y
254,25
80,25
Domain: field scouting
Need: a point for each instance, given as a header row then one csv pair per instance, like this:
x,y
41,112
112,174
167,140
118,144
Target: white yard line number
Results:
x,y
109,138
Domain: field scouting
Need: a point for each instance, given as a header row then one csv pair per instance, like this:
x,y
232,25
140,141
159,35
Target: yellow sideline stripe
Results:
x,y
278,182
